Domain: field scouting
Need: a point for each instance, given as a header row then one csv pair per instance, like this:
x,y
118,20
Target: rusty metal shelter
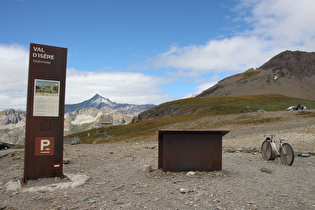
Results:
x,y
190,150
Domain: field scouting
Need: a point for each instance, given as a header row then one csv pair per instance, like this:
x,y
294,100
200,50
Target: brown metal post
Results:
x,y
45,112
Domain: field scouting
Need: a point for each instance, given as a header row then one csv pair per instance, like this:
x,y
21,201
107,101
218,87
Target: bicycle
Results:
x,y
269,150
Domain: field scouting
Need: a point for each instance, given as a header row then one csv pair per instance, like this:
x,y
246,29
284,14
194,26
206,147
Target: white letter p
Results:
x,y
44,143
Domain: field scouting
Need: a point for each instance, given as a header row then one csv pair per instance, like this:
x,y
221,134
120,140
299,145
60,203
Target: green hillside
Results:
x,y
193,113
237,104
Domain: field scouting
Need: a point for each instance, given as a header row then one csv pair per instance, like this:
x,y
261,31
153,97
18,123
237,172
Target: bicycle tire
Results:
x,y
266,151
286,154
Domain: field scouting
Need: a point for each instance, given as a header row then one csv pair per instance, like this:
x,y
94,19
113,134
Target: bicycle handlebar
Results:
x,y
270,135
273,137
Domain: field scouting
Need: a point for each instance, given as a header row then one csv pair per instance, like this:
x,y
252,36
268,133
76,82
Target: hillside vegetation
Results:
x,y
192,113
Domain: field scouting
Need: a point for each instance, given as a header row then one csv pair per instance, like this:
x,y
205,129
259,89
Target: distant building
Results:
x,y
106,124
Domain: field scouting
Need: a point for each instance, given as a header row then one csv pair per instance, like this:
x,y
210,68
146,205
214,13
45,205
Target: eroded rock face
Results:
x,y
11,116
12,126
300,64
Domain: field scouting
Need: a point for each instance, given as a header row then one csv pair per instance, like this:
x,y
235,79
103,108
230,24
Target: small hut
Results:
x,y
106,124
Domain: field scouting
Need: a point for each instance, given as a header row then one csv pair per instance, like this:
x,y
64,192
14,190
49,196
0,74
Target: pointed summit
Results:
x,y
96,96
98,101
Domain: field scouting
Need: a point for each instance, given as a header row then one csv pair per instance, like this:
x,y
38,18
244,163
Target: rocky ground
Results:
x,y
116,180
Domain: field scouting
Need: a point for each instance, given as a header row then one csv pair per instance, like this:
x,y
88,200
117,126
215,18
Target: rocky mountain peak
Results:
x,y
300,64
11,116
290,73
98,100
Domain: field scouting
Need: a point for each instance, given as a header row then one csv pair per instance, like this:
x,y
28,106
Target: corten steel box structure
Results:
x,y
190,150
45,112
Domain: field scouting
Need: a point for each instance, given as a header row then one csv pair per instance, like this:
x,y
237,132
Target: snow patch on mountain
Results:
x,y
101,100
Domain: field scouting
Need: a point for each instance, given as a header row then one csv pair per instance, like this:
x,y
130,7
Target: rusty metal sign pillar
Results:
x,y
45,112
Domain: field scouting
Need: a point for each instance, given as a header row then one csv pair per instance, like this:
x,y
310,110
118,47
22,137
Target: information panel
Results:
x,y
46,98
45,112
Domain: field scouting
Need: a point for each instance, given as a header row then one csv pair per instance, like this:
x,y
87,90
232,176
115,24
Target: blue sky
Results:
x,y
146,51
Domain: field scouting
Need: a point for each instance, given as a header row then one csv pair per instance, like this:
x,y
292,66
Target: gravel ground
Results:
x,y
116,179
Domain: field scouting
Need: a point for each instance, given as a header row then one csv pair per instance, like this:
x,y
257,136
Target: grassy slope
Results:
x,y
195,110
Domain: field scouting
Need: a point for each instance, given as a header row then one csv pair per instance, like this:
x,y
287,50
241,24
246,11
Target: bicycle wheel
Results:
x,y
286,154
266,151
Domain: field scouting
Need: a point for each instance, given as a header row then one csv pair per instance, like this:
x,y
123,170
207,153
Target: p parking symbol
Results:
x,y
44,146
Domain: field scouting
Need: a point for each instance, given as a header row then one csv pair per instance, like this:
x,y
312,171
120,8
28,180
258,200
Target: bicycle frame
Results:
x,y
271,138
269,150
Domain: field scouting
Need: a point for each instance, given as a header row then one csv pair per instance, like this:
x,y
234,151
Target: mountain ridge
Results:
x,y
97,101
91,113
88,118
290,73
299,63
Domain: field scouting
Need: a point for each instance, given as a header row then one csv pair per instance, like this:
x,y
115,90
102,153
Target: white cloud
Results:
x,y
13,79
233,54
287,22
274,26
121,87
